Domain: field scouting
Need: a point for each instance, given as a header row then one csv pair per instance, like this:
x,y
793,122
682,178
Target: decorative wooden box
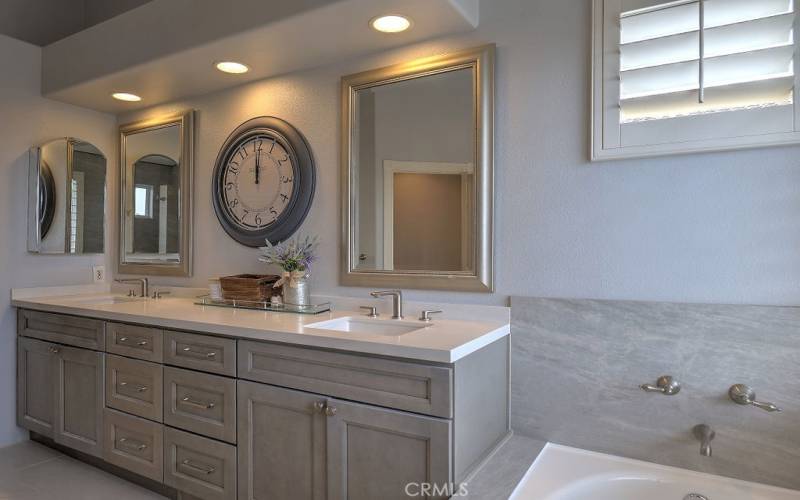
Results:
x,y
252,287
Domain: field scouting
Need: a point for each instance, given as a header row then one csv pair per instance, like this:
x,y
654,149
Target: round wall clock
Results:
x,y
264,179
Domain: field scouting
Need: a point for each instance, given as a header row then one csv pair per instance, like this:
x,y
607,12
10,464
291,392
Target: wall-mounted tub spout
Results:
x,y
705,434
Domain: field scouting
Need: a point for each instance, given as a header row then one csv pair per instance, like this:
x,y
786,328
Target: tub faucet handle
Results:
x,y
744,395
665,384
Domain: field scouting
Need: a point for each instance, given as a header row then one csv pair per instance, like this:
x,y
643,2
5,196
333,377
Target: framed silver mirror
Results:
x,y
66,198
156,162
417,174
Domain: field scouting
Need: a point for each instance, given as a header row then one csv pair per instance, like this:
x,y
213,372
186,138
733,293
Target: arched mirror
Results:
x,y
66,198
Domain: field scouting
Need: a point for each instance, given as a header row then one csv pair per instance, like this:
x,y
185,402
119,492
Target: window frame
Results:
x,y
605,114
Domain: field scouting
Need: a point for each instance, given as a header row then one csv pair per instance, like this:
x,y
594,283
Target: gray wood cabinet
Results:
x,y
79,399
281,443
287,422
378,453
60,393
36,386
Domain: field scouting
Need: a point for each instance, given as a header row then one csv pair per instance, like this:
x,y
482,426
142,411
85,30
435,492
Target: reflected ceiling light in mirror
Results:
x,y
126,96
232,67
390,23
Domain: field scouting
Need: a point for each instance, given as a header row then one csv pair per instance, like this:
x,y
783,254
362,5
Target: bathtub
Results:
x,y
563,473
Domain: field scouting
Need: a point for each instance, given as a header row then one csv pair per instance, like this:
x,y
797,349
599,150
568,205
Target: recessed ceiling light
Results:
x,y
390,24
125,96
232,67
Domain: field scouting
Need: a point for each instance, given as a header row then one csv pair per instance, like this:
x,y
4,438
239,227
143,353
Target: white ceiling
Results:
x,y
165,50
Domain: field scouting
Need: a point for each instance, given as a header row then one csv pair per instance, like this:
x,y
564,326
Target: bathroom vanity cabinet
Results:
x,y
220,418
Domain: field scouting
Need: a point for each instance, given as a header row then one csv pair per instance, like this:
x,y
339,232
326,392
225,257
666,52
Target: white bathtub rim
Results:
x,y
654,470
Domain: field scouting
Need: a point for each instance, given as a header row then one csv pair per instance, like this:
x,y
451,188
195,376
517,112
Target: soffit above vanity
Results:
x,y
166,49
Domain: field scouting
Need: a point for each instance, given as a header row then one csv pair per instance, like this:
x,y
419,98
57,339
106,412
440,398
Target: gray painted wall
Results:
x,y
26,120
576,366
719,227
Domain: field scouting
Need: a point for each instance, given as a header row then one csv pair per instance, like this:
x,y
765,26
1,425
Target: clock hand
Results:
x,y
258,167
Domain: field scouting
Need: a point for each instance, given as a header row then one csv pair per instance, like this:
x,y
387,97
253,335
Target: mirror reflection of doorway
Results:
x,y
155,207
428,216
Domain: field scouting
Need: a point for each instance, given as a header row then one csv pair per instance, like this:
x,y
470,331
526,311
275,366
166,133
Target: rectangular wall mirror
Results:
x,y
66,198
417,174
155,196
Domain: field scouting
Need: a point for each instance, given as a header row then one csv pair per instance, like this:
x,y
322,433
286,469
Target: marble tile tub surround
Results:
x,y
576,366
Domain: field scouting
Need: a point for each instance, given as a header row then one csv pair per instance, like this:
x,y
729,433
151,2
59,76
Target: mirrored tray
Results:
x,y
264,306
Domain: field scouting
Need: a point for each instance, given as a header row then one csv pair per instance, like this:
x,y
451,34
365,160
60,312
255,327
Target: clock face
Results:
x,y
258,181
264,180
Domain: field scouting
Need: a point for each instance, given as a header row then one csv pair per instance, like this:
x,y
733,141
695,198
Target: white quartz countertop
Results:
x,y
443,340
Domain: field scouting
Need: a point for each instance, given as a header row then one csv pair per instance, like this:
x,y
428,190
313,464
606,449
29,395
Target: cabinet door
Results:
x,y
281,436
79,400
378,453
36,362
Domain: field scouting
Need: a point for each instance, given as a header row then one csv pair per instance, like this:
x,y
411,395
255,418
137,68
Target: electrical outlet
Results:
x,y
99,274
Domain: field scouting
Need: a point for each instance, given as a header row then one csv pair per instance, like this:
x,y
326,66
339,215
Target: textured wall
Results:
x,y
27,119
717,227
576,366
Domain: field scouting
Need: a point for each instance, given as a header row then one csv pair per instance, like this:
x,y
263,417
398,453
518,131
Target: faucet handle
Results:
x,y
426,315
373,311
744,395
665,384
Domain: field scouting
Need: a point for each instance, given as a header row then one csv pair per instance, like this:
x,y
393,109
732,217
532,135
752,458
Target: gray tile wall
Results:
x,y
577,364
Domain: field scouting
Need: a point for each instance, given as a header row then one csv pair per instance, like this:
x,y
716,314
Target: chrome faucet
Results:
x,y
705,434
142,282
397,301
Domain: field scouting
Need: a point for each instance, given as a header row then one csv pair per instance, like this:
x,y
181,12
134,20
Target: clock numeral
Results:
x,y
233,203
242,153
246,213
285,158
258,219
273,211
284,198
257,145
286,179
229,186
273,145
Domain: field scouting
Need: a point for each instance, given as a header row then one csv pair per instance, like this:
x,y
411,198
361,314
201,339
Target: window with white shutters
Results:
x,y
693,75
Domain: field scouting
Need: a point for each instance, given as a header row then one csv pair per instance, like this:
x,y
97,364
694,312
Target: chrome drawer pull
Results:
x,y
210,354
205,469
54,350
139,388
130,443
198,404
139,342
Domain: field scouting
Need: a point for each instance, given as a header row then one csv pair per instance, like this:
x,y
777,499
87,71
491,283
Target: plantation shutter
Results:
x,y
692,70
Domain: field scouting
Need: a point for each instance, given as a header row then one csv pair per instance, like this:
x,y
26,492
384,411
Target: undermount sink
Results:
x,y
106,300
389,327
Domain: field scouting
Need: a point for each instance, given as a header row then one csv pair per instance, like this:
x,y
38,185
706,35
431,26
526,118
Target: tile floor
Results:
x,y
30,471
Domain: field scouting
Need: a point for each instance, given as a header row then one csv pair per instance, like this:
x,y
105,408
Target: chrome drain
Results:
x,y
695,496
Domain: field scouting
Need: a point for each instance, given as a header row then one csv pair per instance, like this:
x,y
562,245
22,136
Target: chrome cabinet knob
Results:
x,y
665,384
744,395
319,406
330,411
54,350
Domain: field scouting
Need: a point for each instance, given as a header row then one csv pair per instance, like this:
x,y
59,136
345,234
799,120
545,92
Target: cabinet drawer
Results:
x,y
69,330
200,352
199,466
134,386
135,341
201,403
394,384
134,444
